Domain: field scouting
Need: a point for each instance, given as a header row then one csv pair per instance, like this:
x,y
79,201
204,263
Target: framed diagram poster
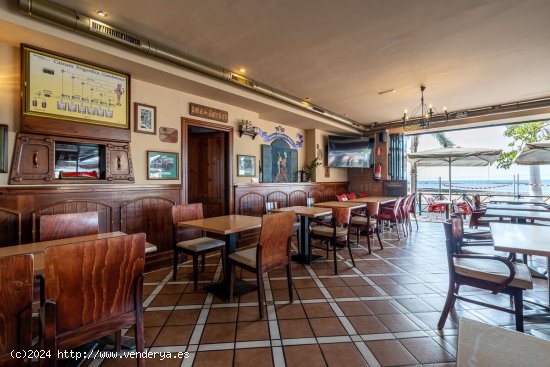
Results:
x,y
56,87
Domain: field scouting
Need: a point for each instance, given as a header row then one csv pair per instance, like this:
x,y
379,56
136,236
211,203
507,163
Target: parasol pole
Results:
x,y
450,179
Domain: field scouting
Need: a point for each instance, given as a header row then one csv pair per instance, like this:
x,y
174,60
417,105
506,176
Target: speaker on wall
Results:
x,y
382,136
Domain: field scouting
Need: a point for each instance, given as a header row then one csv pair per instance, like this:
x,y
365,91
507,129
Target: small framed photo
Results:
x,y
145,119
3,148
162,166
246,166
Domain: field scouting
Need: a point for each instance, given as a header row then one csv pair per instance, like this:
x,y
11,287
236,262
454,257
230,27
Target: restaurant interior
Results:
x,y
230,183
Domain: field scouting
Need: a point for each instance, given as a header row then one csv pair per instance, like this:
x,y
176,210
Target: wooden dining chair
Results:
x,y
332,233
270,205
190,241
490,272
16,285
59,226
367,222
10,227
273,251
93,289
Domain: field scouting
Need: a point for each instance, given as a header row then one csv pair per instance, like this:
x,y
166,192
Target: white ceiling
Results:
x,y
342,53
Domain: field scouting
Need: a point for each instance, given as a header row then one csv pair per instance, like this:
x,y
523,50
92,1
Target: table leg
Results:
x,y
305,256
221,289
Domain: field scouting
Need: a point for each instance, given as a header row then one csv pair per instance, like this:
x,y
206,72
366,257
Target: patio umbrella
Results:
x,y
463,157
534,154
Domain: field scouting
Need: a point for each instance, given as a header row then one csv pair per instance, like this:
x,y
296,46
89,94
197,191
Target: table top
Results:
x,y
518,201
518,214
521,238
226,224
340,204
306,211
373,199
530,207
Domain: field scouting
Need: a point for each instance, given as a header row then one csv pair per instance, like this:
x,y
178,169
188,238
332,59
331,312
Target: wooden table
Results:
x,y
530,207
516,215
340,204
38,248
229,226
518,201
305,213
374,199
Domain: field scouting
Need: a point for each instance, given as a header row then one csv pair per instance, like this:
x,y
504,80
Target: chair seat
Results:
x,y
477,232
483,250
201,244
324,231
362,221
246,257
494,271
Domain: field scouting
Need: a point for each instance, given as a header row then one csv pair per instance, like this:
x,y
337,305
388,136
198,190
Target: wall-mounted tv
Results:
x,y
350,152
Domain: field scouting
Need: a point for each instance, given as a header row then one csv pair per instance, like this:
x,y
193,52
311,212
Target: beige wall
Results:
x,y
171,106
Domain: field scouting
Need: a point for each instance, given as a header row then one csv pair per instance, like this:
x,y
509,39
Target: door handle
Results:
x,y
35,159
118,162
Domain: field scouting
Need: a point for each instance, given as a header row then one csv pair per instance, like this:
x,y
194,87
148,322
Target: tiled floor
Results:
x,y
382,313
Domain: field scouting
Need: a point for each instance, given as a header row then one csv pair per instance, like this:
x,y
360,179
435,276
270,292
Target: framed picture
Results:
x,y
60,88
246,165
145,119
162,165
3,148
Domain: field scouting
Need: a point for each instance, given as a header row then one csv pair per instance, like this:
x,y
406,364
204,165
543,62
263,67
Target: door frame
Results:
x,y
185,123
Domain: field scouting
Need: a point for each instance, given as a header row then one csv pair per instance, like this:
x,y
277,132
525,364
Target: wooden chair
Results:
x,y
58,226
16,285
330,234
273,251
10,227
393,215
493,273
192,242
270,205
93,289
368,223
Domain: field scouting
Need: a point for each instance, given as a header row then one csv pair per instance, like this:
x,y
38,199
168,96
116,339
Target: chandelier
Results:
x,y
423,115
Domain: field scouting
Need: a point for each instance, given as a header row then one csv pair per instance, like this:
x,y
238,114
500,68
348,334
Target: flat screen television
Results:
x,y
350,152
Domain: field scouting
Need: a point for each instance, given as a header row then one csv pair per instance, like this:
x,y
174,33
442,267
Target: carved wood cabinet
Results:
x,y
43,159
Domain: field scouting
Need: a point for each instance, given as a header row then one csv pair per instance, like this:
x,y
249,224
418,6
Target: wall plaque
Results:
x,y
168,134
208,112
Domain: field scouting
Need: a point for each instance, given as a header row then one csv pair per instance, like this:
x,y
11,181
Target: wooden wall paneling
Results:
x,y
279,197
329,193
10,227
297,198
251,204
316,194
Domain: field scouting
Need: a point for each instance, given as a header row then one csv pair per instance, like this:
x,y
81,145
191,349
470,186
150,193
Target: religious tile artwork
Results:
x,y
279,162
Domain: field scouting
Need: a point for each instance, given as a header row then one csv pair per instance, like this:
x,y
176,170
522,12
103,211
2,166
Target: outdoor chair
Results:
x,y
411,210
273,251
434,208
493,273
393,215
58,226
367,222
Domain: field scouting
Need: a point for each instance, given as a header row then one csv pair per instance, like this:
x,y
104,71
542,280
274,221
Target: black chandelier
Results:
x,y
423,115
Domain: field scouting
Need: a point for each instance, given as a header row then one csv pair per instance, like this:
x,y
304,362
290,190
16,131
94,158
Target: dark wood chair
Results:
x,y
367,222
493,273
93,289
16,284
10,227
58,226
332,233
270,205
273,251
192,242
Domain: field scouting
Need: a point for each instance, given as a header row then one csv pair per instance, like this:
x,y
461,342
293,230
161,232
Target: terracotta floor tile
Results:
x,y
192,299
218,333
342,354
174,335
290,329
220,358
381,307
367,325
162,300
398,323
304,356
183,317
334,281
224,314
254,330
391,353
354,281
290,311
155,318
426,350
365,291
304,283
341,292
282,294
355,308
318,310
172,289
310,293
256,357
327,326
249,313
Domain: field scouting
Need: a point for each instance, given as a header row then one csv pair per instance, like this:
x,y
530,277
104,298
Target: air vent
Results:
x,y
320,110
242,80
113,33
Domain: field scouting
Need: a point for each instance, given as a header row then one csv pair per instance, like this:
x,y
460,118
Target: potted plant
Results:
x,y
310,168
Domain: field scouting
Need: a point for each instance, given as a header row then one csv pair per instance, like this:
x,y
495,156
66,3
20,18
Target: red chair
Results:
x,y
412,210
352,196
464,208
435,208
342,197
363,194
393,214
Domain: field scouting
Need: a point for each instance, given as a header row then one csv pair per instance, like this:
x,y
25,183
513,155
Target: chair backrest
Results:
x,y
468,200
398,207
342,197
16,285
411,205
373,208
341,216
58,226
363,194
10,227
477,202
454,232
351,196
93,281
454,207
276,230
270,205
183,213
310,201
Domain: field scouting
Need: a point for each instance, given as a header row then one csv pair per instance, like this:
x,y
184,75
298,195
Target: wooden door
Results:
x,y
207,169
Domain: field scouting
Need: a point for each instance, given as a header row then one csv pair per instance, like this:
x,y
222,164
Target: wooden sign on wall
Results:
x,y
208,112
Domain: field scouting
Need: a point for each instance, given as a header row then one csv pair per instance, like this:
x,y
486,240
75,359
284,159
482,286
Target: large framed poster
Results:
x,y
63,89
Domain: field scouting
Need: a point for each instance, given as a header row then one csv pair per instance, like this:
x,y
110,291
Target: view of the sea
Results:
x,y
505,187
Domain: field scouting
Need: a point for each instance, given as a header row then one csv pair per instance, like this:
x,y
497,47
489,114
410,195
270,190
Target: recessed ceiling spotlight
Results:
x,y
307,98
101,13
387,91
242,70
